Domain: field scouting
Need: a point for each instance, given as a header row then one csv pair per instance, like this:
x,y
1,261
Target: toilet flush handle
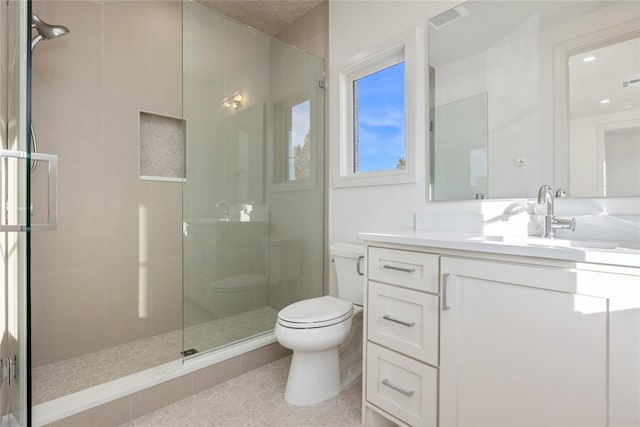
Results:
x,y
360,258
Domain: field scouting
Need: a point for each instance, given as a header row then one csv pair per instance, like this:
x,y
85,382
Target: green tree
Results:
x,y
302,155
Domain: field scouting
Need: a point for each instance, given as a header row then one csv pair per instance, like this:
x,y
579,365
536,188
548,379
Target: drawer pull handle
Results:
x,y
360,258
445,306
396,388
400,322
404,270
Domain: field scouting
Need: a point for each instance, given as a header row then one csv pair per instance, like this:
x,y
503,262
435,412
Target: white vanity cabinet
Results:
x,y
521,345
508,341
402,334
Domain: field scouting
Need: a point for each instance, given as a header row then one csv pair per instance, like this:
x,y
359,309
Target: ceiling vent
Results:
x,y
630,82
448,17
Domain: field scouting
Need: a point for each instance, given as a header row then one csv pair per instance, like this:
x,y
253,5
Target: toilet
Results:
x,y
316,328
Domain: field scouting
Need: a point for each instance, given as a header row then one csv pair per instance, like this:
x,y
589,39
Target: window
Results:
x,y
379,121
378,126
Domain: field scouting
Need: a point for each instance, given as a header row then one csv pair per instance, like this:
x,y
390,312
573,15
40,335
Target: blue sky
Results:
x,y
381,119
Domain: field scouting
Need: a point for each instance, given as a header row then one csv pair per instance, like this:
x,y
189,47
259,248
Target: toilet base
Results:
x,y
313,377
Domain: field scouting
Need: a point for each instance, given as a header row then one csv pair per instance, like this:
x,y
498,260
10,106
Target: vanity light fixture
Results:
x,y
234,101
605,101
590,58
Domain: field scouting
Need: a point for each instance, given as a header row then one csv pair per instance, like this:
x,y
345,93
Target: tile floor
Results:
x,y
71,375
256,399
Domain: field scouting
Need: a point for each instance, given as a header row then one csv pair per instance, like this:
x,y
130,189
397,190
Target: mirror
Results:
x,y
244,142
517,102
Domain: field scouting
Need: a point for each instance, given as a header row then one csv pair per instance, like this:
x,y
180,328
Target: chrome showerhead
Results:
x,y
46,31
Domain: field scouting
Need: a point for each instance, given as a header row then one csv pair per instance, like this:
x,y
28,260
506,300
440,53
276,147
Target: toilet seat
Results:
x,y
315,313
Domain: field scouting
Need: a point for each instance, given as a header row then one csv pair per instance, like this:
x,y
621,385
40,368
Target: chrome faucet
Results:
x,y
227,210
551,223
247,206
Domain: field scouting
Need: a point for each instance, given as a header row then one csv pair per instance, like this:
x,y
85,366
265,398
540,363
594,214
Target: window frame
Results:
x,y
401,49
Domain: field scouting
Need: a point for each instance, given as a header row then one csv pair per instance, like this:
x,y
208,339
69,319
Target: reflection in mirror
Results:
x,y
510,52
299,142
622,162
292,124
244,140
461,150
604,114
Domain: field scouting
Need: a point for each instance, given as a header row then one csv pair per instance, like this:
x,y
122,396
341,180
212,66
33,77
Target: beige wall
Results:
x,y
111,273
310,32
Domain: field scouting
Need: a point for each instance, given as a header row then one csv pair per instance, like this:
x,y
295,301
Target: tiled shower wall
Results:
x,y
310,32
111,272
301,214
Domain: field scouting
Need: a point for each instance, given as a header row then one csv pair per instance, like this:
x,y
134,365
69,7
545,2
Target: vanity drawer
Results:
x,y
405,388
404,320
415,270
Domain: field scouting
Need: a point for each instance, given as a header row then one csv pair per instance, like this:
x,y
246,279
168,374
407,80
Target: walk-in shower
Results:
x,y
144,268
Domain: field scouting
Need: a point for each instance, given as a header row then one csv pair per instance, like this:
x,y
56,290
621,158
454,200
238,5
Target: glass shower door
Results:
x,y
14,226
225,219
253,197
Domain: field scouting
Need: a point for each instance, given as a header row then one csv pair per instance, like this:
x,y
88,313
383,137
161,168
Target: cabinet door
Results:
x,y
518,348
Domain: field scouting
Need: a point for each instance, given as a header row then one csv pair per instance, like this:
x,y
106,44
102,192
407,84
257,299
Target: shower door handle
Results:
x,y
52,191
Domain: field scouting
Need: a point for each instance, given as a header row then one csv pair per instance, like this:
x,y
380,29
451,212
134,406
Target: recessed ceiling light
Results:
x,y
605,101
628,106
589,58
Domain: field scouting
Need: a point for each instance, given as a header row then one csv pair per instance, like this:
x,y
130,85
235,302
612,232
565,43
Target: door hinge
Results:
x,y
9,370
189,352
321,84
6,364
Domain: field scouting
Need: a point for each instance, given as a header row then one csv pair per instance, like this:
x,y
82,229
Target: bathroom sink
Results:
x,y
539,241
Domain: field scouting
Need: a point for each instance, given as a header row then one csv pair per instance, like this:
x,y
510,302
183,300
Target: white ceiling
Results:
x,y
267,16
591,82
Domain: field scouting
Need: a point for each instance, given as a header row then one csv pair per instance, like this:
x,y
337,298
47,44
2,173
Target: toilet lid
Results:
x,y
321,311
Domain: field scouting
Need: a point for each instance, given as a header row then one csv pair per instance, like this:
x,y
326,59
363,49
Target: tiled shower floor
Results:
x,y
256,399
75,374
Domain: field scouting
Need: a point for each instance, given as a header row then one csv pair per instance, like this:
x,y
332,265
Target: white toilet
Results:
x,y
316,327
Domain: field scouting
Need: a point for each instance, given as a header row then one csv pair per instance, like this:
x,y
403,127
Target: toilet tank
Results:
x,y
346,257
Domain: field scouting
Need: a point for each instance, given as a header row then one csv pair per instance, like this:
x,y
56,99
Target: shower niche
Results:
x,y
162,147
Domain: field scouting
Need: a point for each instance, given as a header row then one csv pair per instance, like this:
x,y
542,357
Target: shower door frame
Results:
x,y
15,225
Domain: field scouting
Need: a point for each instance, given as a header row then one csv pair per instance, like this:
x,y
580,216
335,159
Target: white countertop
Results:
x,y
559,249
